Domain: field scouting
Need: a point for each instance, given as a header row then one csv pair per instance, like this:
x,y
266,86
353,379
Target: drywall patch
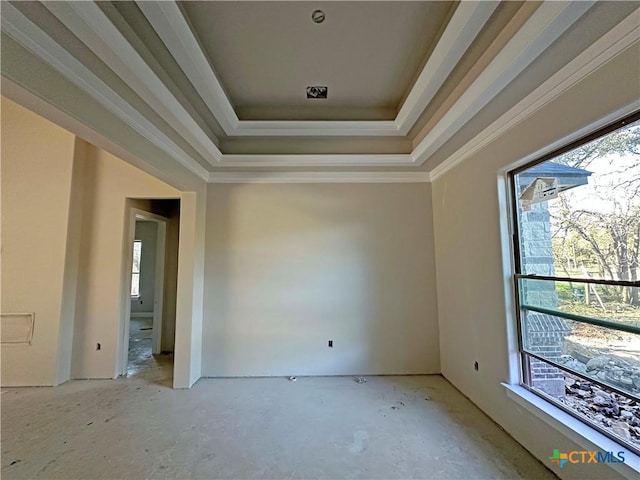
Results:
x,y
16,328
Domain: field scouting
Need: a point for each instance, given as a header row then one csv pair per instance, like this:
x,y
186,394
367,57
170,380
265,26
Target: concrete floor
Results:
x,y
141,362
136,427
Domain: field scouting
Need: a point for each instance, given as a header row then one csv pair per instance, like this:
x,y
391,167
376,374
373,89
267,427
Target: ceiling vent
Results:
x,y
317,92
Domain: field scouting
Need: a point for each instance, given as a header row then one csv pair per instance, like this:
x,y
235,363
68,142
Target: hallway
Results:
x,y
142,363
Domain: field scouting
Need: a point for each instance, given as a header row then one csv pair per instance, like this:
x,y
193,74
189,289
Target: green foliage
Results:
x,y
616,311
603,242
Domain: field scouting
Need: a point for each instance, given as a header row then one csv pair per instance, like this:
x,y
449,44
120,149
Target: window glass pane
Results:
x,y
135,268
615,414
137,252
578,218
135,285
608,356
579,213
600,302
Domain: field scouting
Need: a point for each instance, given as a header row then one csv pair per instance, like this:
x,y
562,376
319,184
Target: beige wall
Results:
x,y
374,294
72,263
37,162
101,305
471,248
170,280
289,267
64,230
189,307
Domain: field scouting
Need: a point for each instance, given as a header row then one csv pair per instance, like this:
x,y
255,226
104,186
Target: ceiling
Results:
x,y
220,87
266,53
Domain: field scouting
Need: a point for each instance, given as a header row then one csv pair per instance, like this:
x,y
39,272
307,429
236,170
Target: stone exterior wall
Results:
x,y
537,254
542,334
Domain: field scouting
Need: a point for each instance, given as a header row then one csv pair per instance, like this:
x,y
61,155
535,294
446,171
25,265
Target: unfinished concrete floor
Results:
x,y
141,362
140,357
322,427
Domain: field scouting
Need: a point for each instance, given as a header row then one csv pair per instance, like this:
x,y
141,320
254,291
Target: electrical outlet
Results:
x,y
330,343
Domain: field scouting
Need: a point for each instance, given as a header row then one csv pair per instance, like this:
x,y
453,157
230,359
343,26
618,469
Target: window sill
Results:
x,y
571,427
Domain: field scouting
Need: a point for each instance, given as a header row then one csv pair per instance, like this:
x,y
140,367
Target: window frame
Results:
x,y
517,275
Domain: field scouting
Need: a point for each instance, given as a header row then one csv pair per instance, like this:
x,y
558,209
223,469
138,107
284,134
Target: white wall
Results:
x,y
147,233
37,163
475,324
289,267
109,181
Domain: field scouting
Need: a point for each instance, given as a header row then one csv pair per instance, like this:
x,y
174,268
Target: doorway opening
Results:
x,y
147,286
148,335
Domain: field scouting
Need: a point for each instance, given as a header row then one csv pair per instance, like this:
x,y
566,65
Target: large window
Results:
x,y
577,244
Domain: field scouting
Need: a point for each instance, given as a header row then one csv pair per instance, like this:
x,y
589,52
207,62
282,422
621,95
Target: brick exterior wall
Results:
x,y
544,335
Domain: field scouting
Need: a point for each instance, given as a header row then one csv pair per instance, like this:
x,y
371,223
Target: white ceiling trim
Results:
x,y
29,35
314,128
614,42
174,30
549,21
317,160
319,177
96,31
462,29
546,24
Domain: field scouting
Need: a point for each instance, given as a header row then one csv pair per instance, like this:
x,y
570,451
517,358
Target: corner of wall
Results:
x,y
72,262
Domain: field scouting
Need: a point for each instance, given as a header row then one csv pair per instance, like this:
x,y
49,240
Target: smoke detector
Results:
x,y
318,16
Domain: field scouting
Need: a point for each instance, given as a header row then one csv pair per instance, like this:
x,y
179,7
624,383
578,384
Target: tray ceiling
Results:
x,y
222,85
266,54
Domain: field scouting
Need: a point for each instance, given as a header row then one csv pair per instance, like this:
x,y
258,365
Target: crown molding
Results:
x,y
350,160
548,22
89,23
614,42
319,177
92,26
173,29
27,34
316,128
467,21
